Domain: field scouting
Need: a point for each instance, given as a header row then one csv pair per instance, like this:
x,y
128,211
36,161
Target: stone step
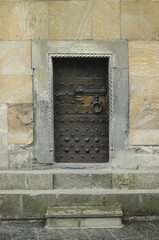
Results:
x,y
79,179
34,203
84,217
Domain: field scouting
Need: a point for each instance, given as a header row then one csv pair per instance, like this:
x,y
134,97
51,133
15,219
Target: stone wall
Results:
x,y
24,21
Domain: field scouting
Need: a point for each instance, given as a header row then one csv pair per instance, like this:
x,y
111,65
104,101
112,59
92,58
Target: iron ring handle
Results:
x,y
99,105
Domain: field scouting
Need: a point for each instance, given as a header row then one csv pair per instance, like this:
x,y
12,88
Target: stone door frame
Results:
x,y
43,53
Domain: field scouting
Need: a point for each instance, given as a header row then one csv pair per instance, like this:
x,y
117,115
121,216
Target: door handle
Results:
x,y
90,91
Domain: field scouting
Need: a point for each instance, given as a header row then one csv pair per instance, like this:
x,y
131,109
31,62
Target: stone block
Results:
x,y
36,204
106,19
20,123
121,180
14,24
15,58
151,204
12,181
23,20
139,20
38,20
147,180
144,89
70,20
144,137
16,89
10,206
80,200
39,181
143,58
130,203
3,137
82,181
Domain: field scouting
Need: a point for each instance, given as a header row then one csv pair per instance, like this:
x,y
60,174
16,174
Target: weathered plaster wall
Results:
x,y
23,21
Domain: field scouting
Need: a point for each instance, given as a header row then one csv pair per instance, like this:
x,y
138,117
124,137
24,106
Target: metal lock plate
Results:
x,y
81,106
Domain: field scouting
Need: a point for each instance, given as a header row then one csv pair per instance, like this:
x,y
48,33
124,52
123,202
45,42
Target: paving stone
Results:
x,y
124,233
49,235
23,233
100,234
74,234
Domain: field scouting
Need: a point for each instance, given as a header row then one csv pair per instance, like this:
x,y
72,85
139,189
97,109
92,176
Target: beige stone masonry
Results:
x,y
70,20
16,89
144,93
3,137
20,123
139,20
23,20
106,19
144,58
15,58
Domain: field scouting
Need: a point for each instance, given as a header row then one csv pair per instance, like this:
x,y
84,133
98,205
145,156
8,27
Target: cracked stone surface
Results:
x,y
35,230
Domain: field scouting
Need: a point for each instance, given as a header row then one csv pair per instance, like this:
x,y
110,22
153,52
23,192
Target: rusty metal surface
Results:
x,y
81,110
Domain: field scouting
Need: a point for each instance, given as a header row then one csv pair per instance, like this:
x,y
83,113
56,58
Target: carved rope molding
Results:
x,y
50,93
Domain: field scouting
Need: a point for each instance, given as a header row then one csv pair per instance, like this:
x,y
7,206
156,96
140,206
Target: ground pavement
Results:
x,y
35,230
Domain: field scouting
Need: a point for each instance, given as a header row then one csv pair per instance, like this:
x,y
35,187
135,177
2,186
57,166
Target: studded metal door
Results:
x,y
81,110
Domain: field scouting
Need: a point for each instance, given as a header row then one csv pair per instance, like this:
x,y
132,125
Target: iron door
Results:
x,y
81,110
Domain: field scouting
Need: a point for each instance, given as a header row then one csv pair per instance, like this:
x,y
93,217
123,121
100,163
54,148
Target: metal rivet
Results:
x,y
71,83
82,102
92,134
66,74
82,145
66,129
76,111
92,120
102,145
92,156
101,120
82,134
72,156
62,102
81,83
71,120
61,144
62,120
86,111
72,134
86,129
87,150
87,139
92,145
77,150
61,156
91,84
82,120
96,129
72,102
82,156
67,111
77,129
61,134
96,139
102,156
67,150
66,92
67,139
76,139
86,74
62,83
97,150
72,145
76,74
101,84
102,134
